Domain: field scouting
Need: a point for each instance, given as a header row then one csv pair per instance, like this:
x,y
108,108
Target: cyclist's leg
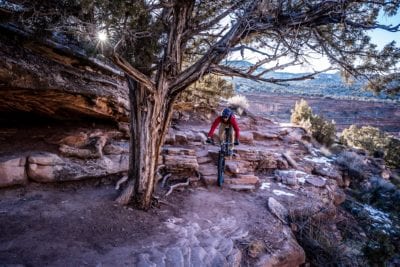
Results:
x,y
221,132
231,138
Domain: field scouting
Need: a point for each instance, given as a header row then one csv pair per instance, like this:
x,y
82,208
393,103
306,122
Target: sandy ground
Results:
x,y
78,224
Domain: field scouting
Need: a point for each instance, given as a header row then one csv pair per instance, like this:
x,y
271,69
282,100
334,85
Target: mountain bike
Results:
x,y
223,152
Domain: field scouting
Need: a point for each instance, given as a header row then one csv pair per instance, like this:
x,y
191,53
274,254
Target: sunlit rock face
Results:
x,y
46,80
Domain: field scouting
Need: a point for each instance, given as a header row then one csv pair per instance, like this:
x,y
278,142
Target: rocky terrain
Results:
x,y
285,202
282,199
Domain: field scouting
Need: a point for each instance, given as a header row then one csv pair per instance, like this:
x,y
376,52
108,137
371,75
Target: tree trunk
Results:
x,y
150,117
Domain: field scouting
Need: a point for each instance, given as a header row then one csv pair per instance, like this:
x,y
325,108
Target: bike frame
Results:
x,y
221,156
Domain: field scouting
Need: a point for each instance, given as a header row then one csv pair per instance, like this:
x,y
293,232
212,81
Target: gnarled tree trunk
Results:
x,y
150,116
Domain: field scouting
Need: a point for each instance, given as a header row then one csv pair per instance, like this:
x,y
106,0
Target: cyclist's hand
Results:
x,y
236,143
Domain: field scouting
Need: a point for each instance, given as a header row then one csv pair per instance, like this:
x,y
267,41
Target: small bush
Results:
x,y
301,112
204,94
322,130
379,249
367,137
392,153
353,163
322,247
374,141
239,103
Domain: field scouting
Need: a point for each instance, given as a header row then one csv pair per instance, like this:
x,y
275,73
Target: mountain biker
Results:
x,y
227,120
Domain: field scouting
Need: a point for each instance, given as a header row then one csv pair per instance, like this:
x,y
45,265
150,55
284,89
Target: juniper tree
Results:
x,y
163,46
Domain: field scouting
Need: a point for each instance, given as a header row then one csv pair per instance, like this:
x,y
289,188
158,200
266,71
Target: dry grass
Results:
x,y
238,102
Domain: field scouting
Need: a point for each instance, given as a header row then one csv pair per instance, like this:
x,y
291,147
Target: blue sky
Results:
x,y
379,37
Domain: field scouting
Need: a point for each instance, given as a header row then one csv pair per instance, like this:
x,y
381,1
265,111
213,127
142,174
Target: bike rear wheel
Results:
x,y
221,167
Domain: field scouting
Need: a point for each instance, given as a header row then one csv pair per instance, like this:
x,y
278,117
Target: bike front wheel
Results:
x,y
221,167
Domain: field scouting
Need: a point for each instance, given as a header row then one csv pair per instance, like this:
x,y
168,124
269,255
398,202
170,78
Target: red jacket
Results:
x,y
232,121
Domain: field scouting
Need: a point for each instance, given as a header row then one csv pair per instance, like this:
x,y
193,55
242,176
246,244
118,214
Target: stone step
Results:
x,y
240,187
243,179
208,169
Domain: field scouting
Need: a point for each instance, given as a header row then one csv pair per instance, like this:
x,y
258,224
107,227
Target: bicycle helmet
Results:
x,y
226,113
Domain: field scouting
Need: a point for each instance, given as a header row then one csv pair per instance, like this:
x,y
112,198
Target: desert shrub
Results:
x,y
301,112
205,93
392,153
353,163
379,249
238,103
373,141
323,131
367,137
320,245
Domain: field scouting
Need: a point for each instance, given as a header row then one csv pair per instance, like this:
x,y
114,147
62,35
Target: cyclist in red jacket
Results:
x,y
227,120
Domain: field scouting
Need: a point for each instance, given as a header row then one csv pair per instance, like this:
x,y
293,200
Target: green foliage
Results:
x,y
373,140
322,130
205,93
367,137
318,242
379,250
301,112
392,152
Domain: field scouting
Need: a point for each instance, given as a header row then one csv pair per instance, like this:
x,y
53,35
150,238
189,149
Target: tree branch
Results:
x,y
227,71
133,73
375,26
207,25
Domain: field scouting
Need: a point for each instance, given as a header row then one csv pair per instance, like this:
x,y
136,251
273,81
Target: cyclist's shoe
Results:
x,y
209,141
236,143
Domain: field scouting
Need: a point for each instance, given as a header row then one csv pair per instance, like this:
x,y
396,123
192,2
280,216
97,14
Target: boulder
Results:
x,y
327,170
209,179
250,154
208,170
278,209
246,137
236,167
290,177
203,160
200,137
12,171
181,164
243,179
263,136
315,181
288,253
296,134
116,148
178,151
180,138
48,167
270,161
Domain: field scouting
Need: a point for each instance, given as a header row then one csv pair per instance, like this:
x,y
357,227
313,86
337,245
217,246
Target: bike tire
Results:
x,y
221,167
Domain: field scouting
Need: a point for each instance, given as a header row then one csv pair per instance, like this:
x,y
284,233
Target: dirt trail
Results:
x,y
78,224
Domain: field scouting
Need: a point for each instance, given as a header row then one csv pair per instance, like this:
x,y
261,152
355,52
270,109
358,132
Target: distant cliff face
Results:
x,y
46,80
323,84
